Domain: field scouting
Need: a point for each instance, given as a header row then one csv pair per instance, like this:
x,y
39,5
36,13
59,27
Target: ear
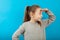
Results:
x,y
31,14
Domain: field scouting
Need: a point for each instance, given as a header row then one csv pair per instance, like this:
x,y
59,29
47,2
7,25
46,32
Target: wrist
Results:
x,y
47,11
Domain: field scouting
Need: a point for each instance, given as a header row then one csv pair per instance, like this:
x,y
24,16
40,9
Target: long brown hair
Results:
x,y
28,10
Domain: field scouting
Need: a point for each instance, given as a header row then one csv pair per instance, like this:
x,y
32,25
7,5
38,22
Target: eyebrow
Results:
x,y
40,9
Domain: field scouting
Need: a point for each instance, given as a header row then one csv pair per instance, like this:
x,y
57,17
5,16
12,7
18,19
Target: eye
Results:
x,y
40,10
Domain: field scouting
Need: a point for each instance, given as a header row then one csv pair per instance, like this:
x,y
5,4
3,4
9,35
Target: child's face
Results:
x,y
38,14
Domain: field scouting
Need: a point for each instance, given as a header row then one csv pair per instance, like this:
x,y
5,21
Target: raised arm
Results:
x,y
19,31
50,19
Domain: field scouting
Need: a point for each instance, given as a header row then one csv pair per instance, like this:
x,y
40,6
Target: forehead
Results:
x,y
38,9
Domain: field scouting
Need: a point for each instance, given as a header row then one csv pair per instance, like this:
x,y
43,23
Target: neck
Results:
x,y
32,21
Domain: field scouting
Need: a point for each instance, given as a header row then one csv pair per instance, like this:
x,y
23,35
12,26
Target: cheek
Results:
x,y
39,16
40,13
36,17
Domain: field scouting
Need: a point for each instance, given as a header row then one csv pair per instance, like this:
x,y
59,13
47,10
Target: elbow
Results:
x,y
14,37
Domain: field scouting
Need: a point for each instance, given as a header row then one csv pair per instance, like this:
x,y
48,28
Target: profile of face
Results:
x,y
37,15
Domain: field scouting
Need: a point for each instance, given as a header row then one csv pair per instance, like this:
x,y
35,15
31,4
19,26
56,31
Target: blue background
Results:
x,y
12,14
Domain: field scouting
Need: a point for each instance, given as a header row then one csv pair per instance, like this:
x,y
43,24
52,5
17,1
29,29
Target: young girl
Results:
x,y
33,27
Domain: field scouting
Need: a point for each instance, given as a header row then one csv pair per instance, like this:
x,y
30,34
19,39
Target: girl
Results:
x,y
33,27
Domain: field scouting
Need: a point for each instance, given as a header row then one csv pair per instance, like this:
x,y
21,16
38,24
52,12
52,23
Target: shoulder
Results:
x,y
24,23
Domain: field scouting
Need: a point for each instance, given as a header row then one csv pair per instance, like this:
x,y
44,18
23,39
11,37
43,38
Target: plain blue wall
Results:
x,y
12,13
